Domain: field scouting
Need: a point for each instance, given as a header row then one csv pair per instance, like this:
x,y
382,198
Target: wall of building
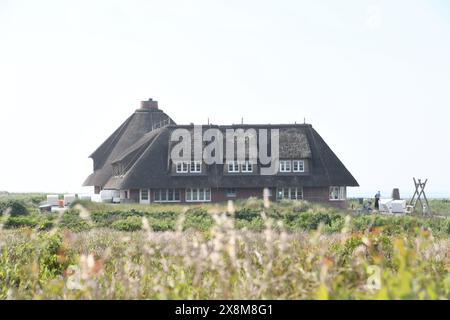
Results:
x,y
220,195
322,195
313,194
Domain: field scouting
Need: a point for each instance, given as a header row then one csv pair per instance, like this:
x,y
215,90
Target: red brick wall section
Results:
x,y
322,194
313,194
134,195
220,195
319,194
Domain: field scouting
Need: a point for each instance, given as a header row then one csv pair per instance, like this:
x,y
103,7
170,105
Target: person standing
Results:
x,y
377,200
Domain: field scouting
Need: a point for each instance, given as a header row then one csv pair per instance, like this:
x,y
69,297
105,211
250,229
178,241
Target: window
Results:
x,y
285,166
167,195
247,166
196,166
231,192
233,166
338,193
298,166
290,193
144,194
182,167
198,194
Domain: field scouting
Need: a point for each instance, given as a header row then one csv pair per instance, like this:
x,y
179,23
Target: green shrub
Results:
x,y
71,220
255,224
128,224
162,225
51,264
45,225
198,219
14,222
171,215
311,221
37,199
18,207
247,214
105,219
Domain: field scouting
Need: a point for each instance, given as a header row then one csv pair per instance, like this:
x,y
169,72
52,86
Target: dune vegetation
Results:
x,y
241,250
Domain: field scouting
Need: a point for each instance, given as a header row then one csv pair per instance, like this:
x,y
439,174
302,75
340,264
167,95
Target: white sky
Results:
x,y
373,78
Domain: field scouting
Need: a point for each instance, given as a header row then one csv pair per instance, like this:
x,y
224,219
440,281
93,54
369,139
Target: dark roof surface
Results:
x,y
123,140
147,163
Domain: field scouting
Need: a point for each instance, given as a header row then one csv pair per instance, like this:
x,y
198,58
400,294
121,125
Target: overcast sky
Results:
x,y
373,78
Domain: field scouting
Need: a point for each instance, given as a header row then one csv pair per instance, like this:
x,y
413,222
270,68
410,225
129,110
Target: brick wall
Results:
x,y
313,194
220,195
322,194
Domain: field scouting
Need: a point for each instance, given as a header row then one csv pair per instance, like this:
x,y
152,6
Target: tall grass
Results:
x,y
222,261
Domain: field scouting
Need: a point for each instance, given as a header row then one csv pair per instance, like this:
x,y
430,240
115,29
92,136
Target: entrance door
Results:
x,y
144,196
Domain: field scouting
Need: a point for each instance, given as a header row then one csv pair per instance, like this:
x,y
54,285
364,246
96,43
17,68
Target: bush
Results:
x,y
72,221
247,214
105,219
159,225
20,222
171,215
37,199
255,224
128,224
198,219
311,221
18,207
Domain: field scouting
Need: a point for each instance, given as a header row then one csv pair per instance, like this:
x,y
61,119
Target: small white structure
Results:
x,y
52,199
86,197
96,198
68,199
385,205
109,195
398,206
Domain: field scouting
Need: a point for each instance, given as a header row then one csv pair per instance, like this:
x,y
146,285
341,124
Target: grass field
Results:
x,y
288,250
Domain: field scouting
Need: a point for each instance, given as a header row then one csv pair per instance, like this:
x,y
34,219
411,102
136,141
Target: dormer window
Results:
x,y
285,165
247,166
189,166
298,166
182,167
233,166
196,167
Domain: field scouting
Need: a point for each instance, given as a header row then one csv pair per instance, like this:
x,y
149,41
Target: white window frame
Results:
x,y
234,165
290,193
231,192
285,166
247,166
158,195
195,167
300,165
145,199
198,195
338,193
182,167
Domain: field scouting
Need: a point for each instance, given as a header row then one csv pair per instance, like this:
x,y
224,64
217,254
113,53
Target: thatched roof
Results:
x,y
130,135
147,165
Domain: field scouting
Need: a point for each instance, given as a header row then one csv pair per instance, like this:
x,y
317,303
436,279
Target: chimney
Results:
x,y
150,104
